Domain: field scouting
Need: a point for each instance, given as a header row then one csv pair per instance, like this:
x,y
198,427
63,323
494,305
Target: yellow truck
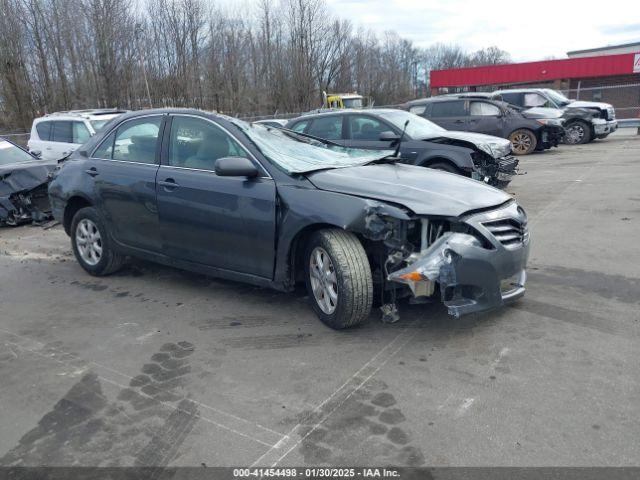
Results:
x,y
342,100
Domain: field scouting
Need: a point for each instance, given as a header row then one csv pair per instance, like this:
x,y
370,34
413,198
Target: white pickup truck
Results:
x,y
584,121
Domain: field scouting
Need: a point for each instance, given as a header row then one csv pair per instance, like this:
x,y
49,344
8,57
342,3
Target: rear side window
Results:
x,y
329,128
512,98
448,109
366,128
418,109
483,109
80,132
62,131
44,131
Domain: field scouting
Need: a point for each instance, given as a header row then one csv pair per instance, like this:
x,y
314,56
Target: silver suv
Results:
x,y
56,135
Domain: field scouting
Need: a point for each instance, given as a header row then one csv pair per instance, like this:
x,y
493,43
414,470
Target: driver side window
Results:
x,y
196,143
366,128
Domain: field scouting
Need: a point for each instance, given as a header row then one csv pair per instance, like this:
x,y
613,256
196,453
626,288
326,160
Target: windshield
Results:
x,y
298,154
9,154
352,102
558,98
418,127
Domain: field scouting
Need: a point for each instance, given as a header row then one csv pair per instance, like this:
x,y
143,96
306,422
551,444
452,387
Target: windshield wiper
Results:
x,y
388,159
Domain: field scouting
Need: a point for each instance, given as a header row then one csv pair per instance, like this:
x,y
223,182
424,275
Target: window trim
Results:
x,y
172,116
114,130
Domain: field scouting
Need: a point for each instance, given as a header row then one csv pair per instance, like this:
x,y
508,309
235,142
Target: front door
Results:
x,y
485,117
223,222
124,168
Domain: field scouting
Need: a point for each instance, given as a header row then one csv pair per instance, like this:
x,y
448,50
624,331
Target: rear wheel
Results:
x,y
91,245
577,133
338,278
523,141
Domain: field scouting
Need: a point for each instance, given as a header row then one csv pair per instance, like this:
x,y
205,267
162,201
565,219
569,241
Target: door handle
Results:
x,y
169,184
459,121
92,171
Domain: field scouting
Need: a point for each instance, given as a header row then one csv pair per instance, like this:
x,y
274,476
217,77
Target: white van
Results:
x,y
56,135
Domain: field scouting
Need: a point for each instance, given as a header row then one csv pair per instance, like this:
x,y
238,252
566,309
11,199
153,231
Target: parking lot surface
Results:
x,y
155,366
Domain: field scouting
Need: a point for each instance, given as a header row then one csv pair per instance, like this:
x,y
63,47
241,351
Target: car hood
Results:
x,y
542,112
495,146
583,104
422,190
17,177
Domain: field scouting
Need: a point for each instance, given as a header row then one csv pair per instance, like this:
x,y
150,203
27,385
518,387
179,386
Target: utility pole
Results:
x,y
138,30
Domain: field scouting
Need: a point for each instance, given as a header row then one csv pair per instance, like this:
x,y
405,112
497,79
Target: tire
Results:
x,y
444,166
85,225
578,133
352,281
523,141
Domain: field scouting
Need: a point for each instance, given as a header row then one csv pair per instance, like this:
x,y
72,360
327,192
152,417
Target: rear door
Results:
x,y
223,222
485,117
124,168
450,114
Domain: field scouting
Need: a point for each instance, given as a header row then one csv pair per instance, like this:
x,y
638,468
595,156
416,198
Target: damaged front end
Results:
x,y
23,194
472,263
497,172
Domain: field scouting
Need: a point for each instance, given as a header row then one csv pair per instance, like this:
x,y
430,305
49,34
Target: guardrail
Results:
x,y
629,123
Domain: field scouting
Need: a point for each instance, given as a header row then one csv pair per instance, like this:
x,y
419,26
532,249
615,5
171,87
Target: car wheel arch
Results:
x,y
297,249
434,160
75,203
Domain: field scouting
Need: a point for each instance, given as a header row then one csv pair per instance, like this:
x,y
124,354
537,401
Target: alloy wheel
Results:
x,y
89,241
521,143
324,282
575,133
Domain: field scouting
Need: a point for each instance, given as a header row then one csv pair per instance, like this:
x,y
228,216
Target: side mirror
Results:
x,y
389,136
235,167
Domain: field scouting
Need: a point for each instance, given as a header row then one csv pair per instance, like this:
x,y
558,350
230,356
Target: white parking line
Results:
x,y
277,452
238,425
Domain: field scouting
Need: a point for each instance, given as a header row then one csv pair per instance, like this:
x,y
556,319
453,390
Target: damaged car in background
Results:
x,y
23,186
358,227
419,142
528,130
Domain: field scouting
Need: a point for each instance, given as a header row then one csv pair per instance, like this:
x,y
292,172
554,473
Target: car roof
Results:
x,y
345,111
89,114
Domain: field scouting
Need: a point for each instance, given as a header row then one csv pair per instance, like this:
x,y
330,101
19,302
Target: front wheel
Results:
x,y
91,245
523,141
444,166
338,278
577,133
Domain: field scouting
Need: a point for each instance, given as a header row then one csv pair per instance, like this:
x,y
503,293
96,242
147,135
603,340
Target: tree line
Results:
x,y
272,57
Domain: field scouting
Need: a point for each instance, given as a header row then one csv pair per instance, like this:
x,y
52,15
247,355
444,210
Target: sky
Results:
x,y
528,30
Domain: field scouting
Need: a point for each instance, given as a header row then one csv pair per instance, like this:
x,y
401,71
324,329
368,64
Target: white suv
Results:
x,y
56,135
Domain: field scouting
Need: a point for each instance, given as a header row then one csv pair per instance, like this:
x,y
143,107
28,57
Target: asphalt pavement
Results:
x,y
155,366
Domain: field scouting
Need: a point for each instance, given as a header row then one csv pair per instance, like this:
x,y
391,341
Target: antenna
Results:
x,y
404,129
